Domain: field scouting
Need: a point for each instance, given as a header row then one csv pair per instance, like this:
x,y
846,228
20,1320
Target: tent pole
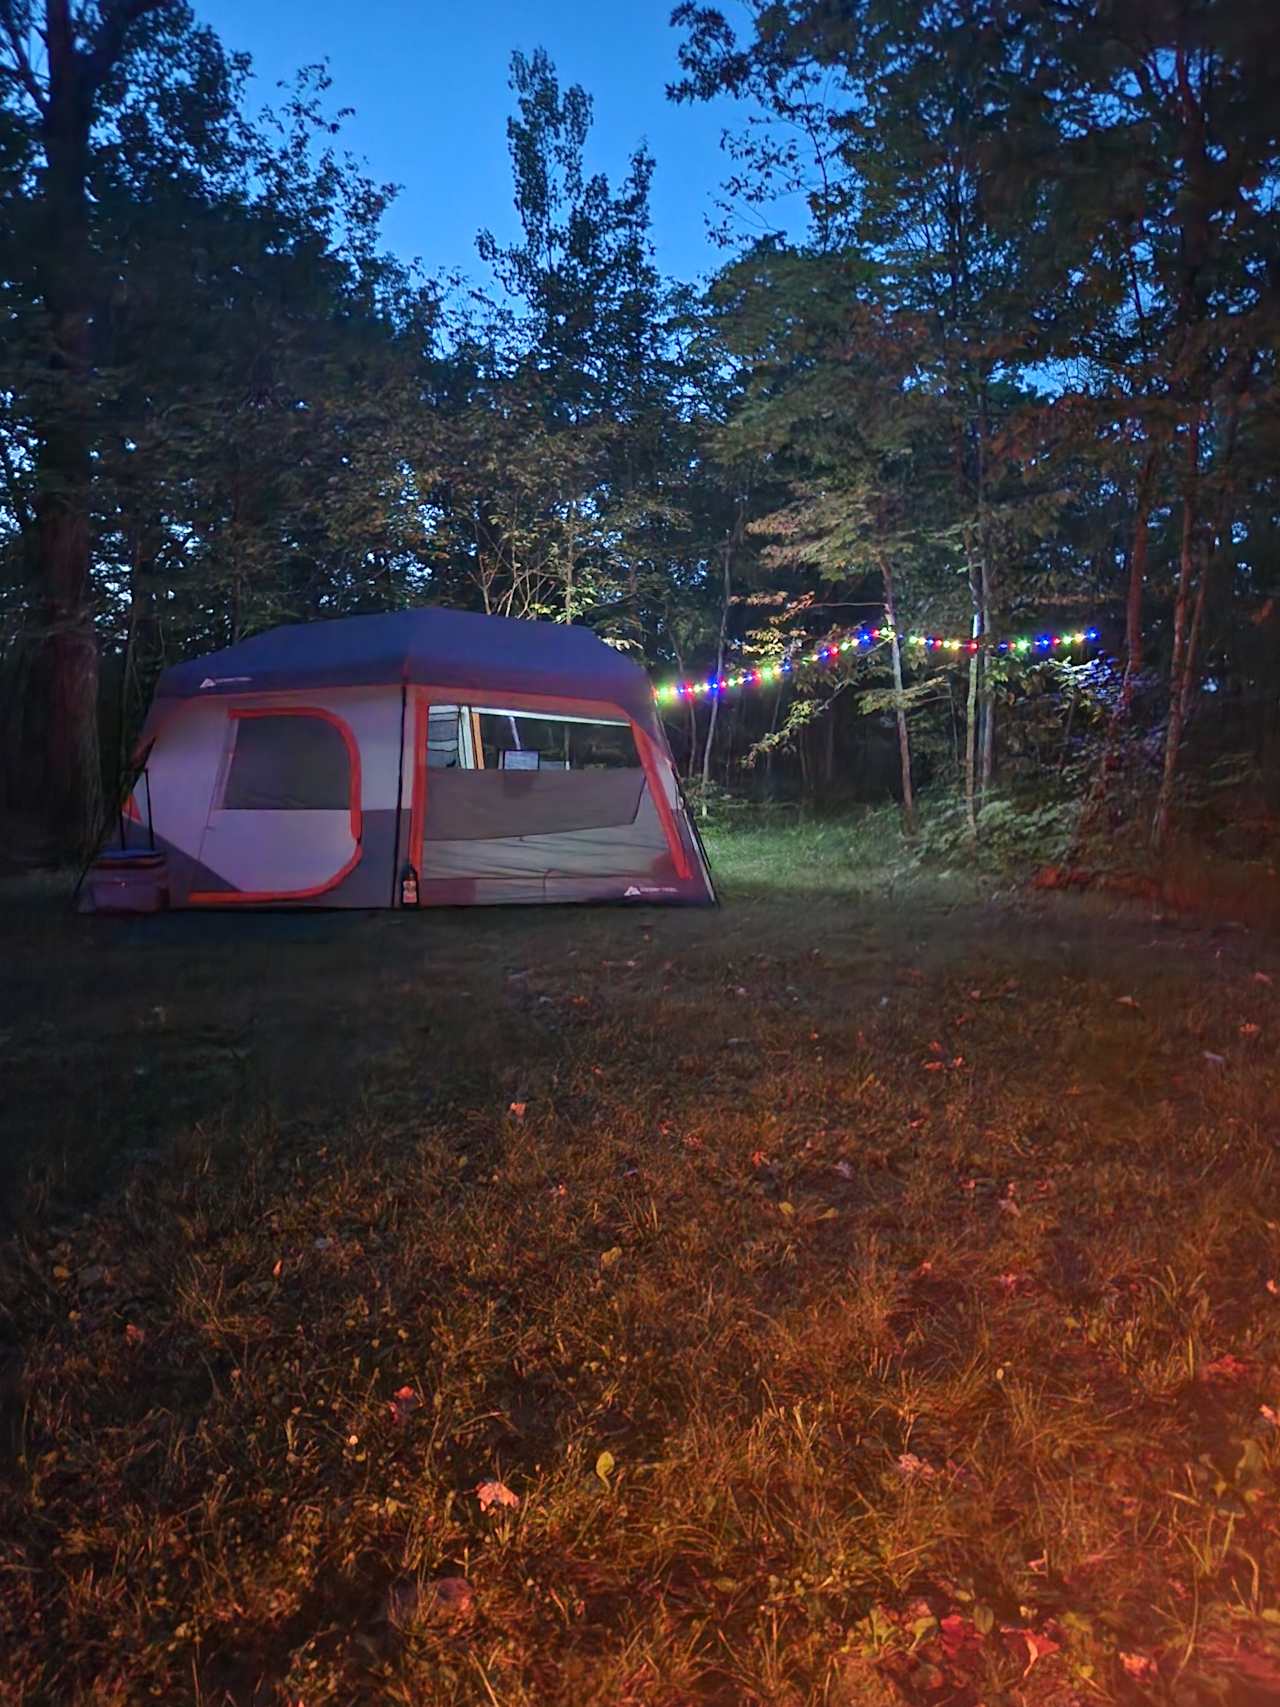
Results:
x,y
395,852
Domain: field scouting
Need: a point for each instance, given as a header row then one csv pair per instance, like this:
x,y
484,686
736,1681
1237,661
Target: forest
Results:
x,y
1009,373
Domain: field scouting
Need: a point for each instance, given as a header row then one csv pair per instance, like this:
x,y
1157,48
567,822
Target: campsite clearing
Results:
x,y
856,1295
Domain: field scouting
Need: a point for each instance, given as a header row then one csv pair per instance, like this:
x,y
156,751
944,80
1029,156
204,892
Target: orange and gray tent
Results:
x,y
428,757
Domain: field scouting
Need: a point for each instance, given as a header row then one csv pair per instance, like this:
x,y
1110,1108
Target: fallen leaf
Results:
x,y
609,1257
759,1159
1248,1029
404,1404
845,1170
1226,1368
1263,978
1140,1667
1037,1646
1215,1060
134,1335
1125,1002
604,1467
913,1468
448,1598
276,1267
495,1493
517,1110
958,1636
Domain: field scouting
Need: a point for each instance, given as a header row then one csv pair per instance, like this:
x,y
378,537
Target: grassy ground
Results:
x,y
862,1294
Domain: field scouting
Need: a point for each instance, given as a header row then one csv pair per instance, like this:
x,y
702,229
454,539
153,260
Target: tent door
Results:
x,y
284,819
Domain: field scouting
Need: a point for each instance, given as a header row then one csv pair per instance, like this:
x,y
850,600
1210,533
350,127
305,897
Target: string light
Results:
x,y
1025,648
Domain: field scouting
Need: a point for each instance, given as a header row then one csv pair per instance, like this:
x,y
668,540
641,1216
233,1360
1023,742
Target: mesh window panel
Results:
x,y
558,743
442,739
288,764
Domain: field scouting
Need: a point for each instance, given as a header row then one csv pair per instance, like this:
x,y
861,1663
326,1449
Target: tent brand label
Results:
x,y
647,889
223,681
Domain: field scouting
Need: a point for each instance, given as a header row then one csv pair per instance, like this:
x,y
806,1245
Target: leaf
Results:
x,y
608,1258
1037,1647
495,1493
1140,1667
983,1619
517,1110
786,1208
604,1467
1125,1002
403,1405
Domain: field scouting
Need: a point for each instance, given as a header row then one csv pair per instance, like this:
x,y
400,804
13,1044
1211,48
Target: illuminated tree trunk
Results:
x,y
900,710
1182,661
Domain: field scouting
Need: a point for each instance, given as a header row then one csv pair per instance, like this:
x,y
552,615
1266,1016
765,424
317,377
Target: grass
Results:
x,y
868,1293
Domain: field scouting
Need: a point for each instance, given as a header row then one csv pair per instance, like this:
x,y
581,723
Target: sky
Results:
x,y
428,82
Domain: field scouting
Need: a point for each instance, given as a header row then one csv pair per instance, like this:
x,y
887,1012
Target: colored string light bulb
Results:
x,y
862,639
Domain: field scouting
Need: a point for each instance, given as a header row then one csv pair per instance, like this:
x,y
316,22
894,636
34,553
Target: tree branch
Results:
x,y
116,21
20,71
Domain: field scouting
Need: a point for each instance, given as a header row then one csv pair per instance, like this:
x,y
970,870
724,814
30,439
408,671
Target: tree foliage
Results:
x,y
1016,365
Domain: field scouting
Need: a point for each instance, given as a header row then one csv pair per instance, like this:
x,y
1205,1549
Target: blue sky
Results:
x,y
428,81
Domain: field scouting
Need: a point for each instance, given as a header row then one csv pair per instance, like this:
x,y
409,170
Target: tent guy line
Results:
x,y
1028,649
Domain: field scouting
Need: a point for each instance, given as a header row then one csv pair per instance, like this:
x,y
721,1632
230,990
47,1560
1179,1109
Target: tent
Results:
x,y
423,757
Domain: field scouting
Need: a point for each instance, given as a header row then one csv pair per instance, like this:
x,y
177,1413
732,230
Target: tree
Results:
x,y
61,102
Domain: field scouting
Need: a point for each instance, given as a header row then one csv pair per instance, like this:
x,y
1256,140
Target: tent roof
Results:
x,y
446,648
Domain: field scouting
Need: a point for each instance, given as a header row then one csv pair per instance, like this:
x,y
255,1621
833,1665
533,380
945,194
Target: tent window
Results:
x,y
444,730
515,742
287,764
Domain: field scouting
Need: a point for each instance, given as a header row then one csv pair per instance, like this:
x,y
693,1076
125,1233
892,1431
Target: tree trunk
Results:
x,y
1183,659
971,708
727,599
1138,574
900,710
73,778
971,745
988,699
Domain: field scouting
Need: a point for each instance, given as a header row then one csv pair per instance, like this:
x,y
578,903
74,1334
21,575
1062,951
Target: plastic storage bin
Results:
x,y
129,880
